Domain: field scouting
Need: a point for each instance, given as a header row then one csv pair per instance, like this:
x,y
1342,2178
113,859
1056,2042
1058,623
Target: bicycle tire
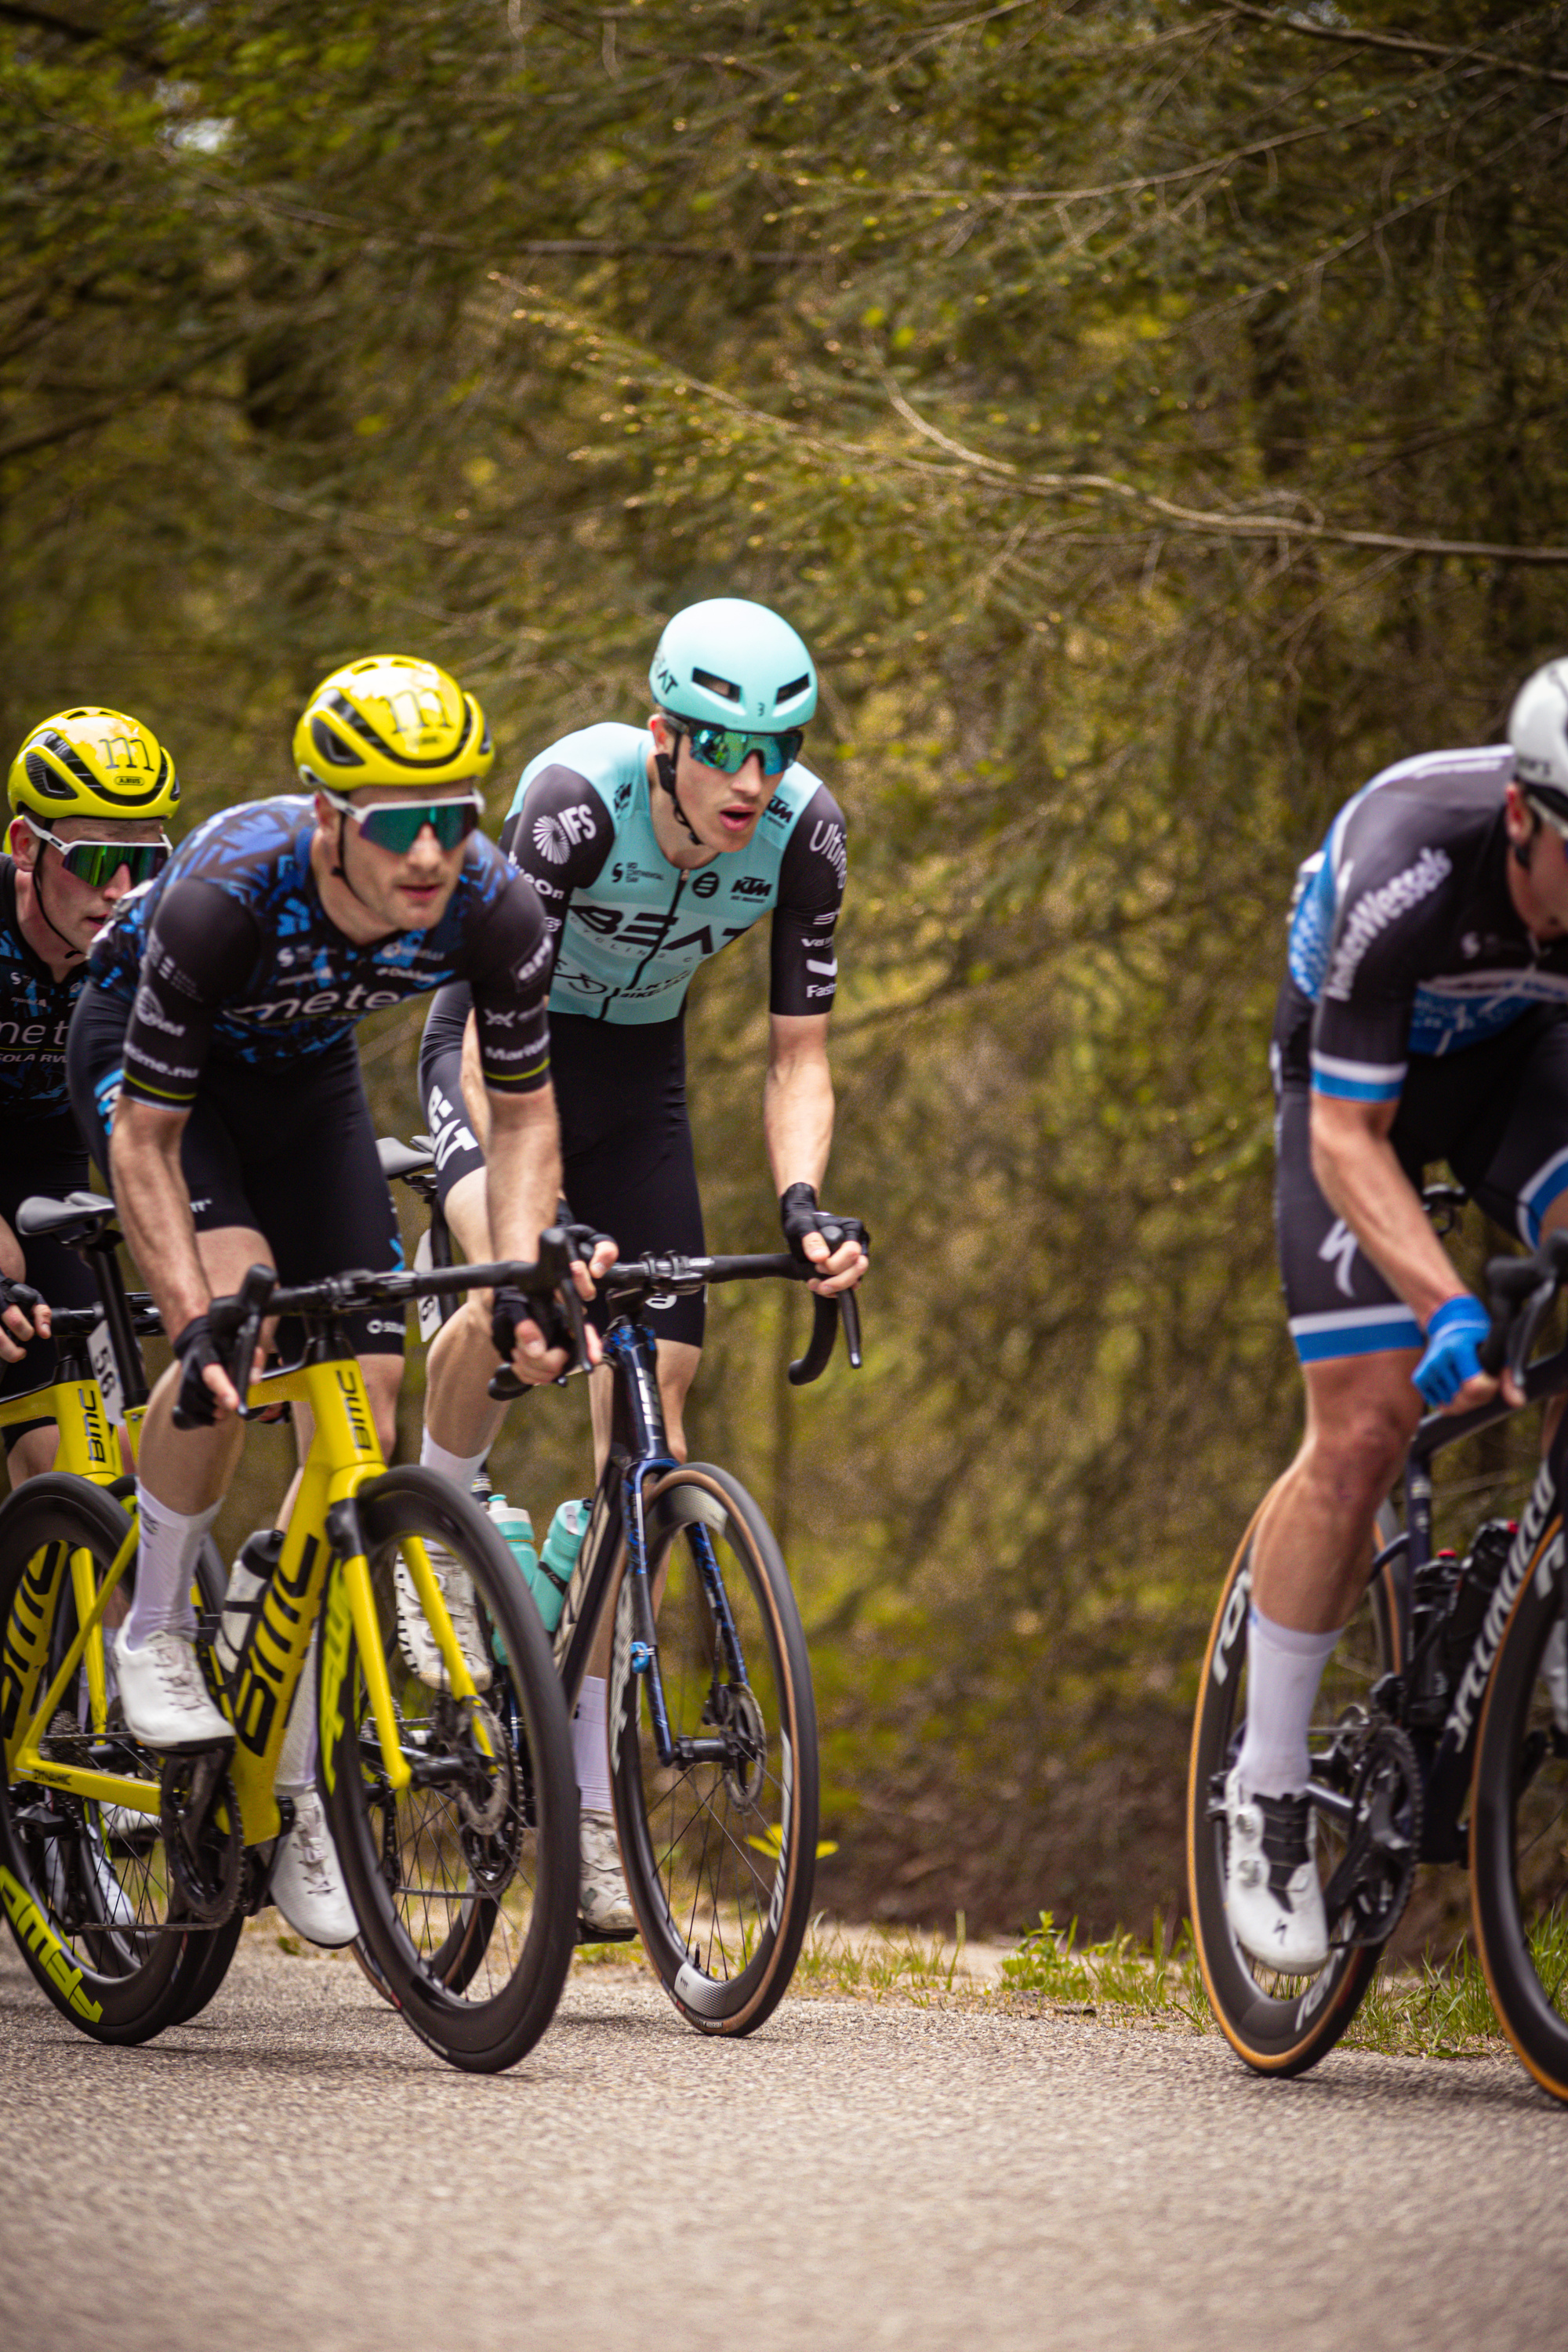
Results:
x,y
92,1908
1518,1824
475,1963
722,1930
1280,2025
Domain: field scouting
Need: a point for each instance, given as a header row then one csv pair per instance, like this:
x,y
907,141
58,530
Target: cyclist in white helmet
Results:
x,y
1424,1017
651,848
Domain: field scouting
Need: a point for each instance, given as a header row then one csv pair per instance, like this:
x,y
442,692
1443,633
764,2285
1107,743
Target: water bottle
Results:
x,y
247,1583
559,1558
515,1527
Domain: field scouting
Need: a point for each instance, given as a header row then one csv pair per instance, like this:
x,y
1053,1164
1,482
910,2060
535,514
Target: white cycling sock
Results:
x,y
1283,1671
297,1757
460,1468
590,1748
165,1562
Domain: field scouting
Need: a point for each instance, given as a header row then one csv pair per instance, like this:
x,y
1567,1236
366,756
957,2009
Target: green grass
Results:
x,y
1436,2011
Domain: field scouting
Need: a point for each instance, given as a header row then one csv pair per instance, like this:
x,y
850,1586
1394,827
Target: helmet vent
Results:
x,y
43,779
332,749
791,692
69,757
726,687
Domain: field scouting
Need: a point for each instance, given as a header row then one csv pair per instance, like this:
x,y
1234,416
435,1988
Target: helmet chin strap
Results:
x,y
664,764
339,871
37,872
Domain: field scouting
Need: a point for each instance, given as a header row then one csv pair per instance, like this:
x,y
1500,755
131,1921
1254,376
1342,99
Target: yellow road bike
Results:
x,y
127,1876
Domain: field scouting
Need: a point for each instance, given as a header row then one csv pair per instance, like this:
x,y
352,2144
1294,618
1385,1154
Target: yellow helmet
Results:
x,y
93,762
390,719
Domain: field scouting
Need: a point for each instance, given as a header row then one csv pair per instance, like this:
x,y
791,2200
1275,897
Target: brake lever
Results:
x,y
849,1315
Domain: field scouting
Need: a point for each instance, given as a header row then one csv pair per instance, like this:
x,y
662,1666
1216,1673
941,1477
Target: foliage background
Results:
x,y
1150,415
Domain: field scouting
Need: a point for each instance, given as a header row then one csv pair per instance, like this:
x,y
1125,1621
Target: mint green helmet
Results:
x,y
728,662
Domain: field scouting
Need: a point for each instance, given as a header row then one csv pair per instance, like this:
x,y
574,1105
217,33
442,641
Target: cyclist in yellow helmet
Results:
x,y
213,1061
89,790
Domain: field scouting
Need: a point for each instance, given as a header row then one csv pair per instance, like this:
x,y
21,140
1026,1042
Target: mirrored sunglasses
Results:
x,y
728,748
396,826
95,862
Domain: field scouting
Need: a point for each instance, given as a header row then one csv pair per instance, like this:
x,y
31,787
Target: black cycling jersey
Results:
x,y
35,1014
230,954
1404,937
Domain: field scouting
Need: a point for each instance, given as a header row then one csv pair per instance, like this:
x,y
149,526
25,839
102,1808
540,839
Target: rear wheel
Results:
x,y
1518,1824
87,1887
720,1843
465,1882
1279,2024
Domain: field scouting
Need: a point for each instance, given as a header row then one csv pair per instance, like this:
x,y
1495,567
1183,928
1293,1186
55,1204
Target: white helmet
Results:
x,y
1538,729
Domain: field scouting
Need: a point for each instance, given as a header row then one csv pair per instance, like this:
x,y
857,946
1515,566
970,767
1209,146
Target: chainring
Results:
x,y
492,1823
1371,1884
199,1816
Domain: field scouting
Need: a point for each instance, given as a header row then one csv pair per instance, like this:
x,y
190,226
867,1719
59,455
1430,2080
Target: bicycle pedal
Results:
x,y
586,1935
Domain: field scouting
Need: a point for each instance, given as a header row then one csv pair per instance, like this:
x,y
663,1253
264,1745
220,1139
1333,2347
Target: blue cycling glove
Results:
x,y
1454,1337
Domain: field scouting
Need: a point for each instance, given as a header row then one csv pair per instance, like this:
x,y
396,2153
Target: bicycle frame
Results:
x,y
322,1529
1448,1771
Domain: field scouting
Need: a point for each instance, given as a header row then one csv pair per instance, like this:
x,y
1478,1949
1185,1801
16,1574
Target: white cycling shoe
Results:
x,y
1272,1895
308,1879
415,1638
166,1700
602,1898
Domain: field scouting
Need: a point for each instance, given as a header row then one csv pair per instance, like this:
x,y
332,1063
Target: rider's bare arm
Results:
x,y
154,1206
1363,1182
797,1123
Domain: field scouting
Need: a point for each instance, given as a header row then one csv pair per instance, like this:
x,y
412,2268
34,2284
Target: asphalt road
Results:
x,y
294,2168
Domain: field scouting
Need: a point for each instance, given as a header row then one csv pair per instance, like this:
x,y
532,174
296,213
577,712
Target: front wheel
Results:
x,y
1279,2024
718,1838
465,1879
1519,1822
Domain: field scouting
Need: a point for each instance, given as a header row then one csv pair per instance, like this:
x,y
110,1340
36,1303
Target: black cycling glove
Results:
x,y
584,1239
18,1294
194,1350
508,1307
800,1216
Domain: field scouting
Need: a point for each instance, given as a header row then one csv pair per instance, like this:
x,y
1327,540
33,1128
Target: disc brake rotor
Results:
x,y
490,1815
745,1768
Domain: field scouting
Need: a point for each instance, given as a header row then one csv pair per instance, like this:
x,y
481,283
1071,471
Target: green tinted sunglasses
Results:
x,y
397,824
728,748
97,863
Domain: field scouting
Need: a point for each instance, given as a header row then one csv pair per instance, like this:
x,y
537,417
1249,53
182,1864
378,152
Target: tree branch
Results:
x,y
1402,43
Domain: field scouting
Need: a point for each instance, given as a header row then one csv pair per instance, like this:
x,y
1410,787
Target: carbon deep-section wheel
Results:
x,y
720,1839
1519,1820
88,1887
465,1878
1282,2025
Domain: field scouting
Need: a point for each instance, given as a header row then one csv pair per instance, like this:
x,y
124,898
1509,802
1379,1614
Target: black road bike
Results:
x,y
711,1722
1440,1735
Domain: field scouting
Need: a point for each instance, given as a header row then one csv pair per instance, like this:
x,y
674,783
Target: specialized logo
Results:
x,y
36,1937
1338,1251
1474,1680
555,837
1372,915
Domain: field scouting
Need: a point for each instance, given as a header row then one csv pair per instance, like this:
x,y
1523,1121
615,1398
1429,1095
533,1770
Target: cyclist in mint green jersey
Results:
x,y
650,849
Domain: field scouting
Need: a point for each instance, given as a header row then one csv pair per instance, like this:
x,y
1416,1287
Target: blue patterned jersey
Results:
x,y
230,952
1404,935
35,1014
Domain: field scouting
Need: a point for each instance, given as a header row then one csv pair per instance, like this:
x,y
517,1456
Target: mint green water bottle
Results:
x,y
559,1558
515,1529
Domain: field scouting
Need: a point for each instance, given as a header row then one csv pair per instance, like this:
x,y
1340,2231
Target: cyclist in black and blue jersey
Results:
x,y
89,790
212,1057
1424,1017
651,848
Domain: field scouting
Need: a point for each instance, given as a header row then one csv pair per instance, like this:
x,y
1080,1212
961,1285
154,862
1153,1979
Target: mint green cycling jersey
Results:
x,y
631,928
